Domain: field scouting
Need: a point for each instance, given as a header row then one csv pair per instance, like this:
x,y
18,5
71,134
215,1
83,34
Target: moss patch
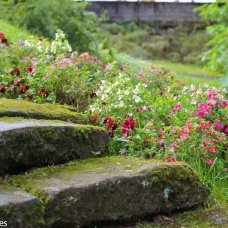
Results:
x,y
36,143
18,108
109,165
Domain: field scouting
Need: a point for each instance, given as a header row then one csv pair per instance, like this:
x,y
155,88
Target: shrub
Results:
x,y
153,115
43,71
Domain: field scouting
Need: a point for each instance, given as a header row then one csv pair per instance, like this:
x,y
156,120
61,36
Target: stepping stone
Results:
x,y
18,208
95,191
20,108
28,143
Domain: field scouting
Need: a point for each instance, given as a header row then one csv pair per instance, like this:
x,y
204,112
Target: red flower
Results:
x,y
30,96
170,159
43,93
132,123
107,120
27,87
2,89
111,134
124,132
92,95
94,119
24,89
18,83
29,70
16,71
127,126
115,126
3,38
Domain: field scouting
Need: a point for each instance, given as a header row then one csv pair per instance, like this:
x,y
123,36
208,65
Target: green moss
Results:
x,y
18,108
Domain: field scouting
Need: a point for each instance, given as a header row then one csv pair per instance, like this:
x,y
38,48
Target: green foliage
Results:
x,y
180,43
216,57
45,17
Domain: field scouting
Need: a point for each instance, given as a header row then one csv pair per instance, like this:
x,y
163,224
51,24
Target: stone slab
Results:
x,y
114,189
26,144
18,208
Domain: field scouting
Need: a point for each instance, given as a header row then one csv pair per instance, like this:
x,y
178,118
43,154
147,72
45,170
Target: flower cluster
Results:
x,y
38,69
160,115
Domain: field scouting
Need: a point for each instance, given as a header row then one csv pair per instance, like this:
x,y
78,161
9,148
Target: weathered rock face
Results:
x,y
113,189
17,108
25,144
18,208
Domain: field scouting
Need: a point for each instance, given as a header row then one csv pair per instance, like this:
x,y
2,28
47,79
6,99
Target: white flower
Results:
x,y
126,92
137,99
121,104
27,43
184,88
199,91
118,92
102,97
53,47
192,87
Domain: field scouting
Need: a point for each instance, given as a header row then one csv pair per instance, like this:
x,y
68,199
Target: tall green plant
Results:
x,y
216,57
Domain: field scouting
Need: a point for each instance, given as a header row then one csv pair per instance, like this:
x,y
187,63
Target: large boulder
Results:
x,y
28,143
20,108
18,208
112,189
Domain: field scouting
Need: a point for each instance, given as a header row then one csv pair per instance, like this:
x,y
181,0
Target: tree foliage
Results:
x,y
217,56
45,17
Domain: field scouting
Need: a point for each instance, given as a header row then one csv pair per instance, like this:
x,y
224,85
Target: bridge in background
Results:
x,y
148,10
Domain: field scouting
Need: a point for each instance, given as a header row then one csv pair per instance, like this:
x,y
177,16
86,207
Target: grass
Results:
x,y
13,32
191,74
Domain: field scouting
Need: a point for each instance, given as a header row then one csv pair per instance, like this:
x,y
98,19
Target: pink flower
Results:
x,y
203,110
211,95
218,126
210,161
161,131
139,110
212,150
105,67
139,76
176,108
224,104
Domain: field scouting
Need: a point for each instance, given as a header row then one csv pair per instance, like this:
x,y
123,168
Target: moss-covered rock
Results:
x,y
25,144
112,189
20,108
18,208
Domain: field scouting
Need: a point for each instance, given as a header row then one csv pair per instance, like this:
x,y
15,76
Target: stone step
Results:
x,y
28,143
18,208
20,108
110,189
